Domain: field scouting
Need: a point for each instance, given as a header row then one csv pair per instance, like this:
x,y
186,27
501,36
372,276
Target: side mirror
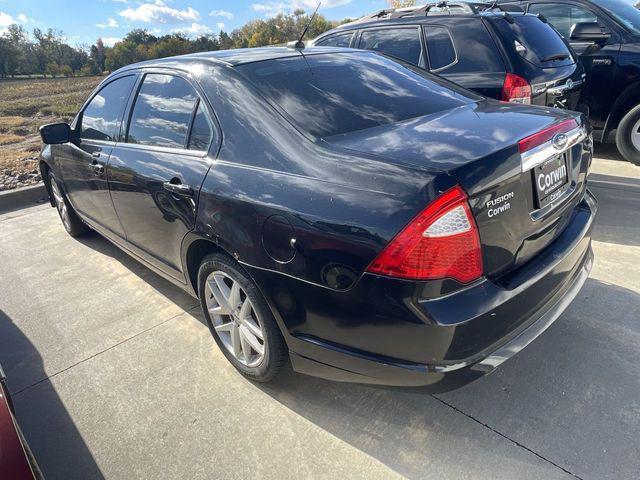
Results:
x,y
588,32
55,133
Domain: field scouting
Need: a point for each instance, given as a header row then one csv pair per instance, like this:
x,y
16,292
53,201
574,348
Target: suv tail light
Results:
x,y
516,89
442,241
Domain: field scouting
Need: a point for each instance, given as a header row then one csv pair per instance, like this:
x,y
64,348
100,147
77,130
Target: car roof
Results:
x,y
413,15
237,56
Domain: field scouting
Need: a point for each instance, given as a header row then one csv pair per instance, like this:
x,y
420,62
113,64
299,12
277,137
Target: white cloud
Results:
x,y
111,23
159,13
271,8
220,25
6,19
221,13
110,41
196,29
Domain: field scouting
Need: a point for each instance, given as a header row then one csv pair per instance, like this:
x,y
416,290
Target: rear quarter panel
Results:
x,y
341,209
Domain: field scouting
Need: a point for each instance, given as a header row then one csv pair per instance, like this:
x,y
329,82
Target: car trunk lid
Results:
x,y
478,145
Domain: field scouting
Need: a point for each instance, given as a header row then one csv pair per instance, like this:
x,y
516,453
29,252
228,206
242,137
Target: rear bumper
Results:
x,y
397,336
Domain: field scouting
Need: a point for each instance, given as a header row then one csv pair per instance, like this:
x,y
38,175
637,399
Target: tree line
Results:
x,y
47,53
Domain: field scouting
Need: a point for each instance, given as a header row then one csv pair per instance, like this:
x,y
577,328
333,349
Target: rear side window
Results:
x,y
563,16
469,49
326,95
101,118
162,111
440,47
342,40
534,40
402,43
201,130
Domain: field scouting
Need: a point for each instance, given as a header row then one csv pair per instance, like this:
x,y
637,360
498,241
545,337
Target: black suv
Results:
x,y
506,55
606,36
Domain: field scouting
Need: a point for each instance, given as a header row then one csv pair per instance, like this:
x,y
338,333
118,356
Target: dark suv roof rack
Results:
x,y
443,7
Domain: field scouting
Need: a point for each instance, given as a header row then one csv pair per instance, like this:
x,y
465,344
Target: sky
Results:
x,y
82,22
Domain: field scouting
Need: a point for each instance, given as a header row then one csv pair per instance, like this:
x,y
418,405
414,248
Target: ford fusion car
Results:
x,y
365,219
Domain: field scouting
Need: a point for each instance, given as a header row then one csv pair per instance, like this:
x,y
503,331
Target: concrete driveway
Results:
x,y
115,375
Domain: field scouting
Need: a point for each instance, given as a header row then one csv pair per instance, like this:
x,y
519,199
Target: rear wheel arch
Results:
x,y
196,250
629,98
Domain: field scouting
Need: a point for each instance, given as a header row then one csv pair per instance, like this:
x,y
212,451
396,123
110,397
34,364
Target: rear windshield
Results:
x,y
330,94
535,40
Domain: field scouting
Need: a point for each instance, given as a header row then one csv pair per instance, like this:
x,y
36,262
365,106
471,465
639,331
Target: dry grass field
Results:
x,y
25,105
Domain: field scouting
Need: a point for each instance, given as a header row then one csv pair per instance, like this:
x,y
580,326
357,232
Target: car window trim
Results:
x,y
199,98
453,43
77,127
393,27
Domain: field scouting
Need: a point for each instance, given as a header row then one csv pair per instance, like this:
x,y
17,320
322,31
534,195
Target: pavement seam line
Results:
x,y
49,377
497,432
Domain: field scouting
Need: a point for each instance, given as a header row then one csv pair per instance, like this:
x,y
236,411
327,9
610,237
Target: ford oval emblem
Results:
x,y
559,142
569,84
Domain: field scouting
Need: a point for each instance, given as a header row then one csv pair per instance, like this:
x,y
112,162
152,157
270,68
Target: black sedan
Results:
x,y
367,220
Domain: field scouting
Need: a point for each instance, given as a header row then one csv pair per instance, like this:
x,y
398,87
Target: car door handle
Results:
x,y
178,188
95,154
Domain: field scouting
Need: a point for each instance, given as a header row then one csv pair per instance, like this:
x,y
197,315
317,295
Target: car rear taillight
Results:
x,y
442,241
516,89
545,135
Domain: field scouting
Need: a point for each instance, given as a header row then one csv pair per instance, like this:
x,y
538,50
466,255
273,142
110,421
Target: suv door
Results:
x,y
157,171
464,52
599,59
83,162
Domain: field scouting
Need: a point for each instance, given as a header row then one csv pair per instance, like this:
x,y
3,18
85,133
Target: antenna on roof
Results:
x,y
300,44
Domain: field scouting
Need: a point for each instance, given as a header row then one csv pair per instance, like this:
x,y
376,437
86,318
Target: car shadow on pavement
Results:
x,y
40,411
607,151
100,244
618,217
571,397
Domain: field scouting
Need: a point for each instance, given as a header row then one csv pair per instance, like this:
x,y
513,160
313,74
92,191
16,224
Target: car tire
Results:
x,y
70,219
223,287
628,136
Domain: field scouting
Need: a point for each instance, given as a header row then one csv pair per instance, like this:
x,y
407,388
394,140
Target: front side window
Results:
x,y
101,118
342,40
402,43
439,47
162,111
625,13
563,16
326,95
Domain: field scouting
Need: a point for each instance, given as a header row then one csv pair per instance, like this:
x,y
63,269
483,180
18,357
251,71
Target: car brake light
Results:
x,y
516,89
442,241
545,135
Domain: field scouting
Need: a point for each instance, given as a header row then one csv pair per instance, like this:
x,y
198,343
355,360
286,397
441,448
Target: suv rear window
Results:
x,y
330,94
402,43
543,46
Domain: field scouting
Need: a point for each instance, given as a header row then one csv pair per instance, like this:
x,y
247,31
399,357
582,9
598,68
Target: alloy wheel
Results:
x,y
635,135
235,319
61,205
